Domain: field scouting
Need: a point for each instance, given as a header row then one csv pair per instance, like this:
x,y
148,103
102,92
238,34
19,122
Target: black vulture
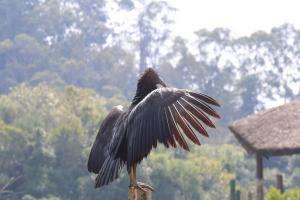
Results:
x,y
157,114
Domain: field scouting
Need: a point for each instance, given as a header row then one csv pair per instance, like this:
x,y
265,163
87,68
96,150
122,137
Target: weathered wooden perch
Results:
x,y
135,193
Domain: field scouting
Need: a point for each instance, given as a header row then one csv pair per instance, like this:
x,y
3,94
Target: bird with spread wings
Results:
x,y
157,114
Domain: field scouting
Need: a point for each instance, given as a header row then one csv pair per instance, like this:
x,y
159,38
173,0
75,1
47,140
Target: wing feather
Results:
x,y
184,126
193,121
197,112
177,133
202,105
204,98
167,115
100,161
98,155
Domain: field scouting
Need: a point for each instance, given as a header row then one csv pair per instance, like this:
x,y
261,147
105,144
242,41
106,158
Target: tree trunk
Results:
x,y
144,43
232,189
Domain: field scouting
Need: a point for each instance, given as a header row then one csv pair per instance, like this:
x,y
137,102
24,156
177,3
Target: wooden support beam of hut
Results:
x,y
279,183
273,132
260,177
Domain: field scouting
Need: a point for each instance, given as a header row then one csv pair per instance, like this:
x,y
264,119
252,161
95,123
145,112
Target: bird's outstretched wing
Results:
x,y
166,115
100,161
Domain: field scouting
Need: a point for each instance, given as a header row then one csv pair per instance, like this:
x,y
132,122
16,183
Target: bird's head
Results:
x,y
147,82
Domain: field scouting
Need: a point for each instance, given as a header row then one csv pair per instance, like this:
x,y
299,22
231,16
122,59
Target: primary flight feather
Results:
x,y
157,114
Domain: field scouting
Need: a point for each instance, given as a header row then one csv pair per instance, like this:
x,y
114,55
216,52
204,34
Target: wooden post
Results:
x,y
238,195
259,176
135,193
279,180
232,189
250,196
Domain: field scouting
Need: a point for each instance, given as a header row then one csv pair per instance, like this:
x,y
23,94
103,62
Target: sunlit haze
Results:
x,y
242,17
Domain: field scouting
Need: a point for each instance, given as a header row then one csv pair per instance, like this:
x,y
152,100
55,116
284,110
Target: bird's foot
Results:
x,y
142,186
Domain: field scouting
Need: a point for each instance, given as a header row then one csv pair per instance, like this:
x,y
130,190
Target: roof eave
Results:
x,y
249,148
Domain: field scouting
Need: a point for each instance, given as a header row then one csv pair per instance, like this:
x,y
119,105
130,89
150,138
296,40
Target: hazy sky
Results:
x,y
243,17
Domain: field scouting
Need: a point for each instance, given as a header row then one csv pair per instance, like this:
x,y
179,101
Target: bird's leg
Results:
x,y
134,183
132,176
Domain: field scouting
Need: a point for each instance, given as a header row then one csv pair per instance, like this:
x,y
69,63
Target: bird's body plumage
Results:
x,y
157,114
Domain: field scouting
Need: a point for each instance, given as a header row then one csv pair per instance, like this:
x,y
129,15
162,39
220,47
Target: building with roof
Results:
x,y
273,132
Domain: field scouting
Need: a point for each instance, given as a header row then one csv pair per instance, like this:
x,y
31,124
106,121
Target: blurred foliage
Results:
x,y
274,194
194,175
63,66
45,139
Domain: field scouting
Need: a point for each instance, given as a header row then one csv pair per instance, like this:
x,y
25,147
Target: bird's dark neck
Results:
x,y
140,94
146,84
